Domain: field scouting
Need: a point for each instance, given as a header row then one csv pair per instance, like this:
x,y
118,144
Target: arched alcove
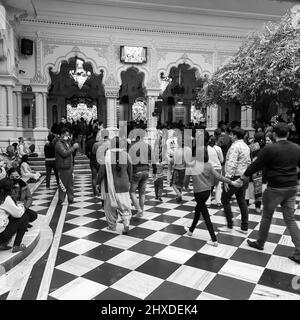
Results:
x,y
75,82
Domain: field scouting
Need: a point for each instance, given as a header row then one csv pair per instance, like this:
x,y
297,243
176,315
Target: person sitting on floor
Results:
x,y
10,158
12,218
27,173
2,168
21,193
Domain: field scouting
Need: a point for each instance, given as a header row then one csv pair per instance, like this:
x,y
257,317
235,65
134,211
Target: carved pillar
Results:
x,y
3,107
246,117
18,123
10,107
45,125
38,109
111,108
19,110
151,120
212,117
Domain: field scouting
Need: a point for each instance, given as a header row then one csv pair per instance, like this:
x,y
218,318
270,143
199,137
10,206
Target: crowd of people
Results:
x,y
231,162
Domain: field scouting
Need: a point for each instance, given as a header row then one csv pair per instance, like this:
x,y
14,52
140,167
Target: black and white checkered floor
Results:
x,y
156,260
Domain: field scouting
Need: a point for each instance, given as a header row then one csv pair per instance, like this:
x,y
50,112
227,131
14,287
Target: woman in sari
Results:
x,y
114,177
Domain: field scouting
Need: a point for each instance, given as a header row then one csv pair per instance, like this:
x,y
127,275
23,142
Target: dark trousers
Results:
x,y
49,166
15,225
286,197
66,186
240,198
32,215
158,186
201,198
94,170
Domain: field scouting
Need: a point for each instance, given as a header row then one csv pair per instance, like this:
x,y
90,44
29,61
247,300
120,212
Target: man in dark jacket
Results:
x,y
64,164
49,150
280,160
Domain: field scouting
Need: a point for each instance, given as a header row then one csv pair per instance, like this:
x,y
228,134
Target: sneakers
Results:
x,y
178,199
225,229
241,230
188,232
4,246
212,243
255,245
111,228
21,247
294,259
258,210
126,229
139,214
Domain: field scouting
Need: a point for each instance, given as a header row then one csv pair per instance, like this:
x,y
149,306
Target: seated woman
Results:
x,y
27,173
21,193
12,218
2,168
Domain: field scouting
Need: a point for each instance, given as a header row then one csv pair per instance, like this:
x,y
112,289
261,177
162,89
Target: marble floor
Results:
x,y
156,260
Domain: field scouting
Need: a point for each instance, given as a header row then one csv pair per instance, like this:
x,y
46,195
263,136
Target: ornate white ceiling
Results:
x,y
256,7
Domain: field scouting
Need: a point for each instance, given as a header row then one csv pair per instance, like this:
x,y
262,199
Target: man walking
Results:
x,y
141,155
64,164
237,161
280,160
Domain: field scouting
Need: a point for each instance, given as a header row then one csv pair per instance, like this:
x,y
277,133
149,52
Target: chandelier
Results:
x,y
79,75
178,89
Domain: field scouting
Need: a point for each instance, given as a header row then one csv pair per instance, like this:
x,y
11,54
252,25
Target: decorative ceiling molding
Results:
x,y
142,30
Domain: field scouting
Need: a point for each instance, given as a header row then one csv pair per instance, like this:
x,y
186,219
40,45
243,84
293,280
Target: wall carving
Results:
x,y
112,94
38,79
102,52
111,81
49,49
132,29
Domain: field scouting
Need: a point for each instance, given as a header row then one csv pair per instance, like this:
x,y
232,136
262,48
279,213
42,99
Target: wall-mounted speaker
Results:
x,y
27,47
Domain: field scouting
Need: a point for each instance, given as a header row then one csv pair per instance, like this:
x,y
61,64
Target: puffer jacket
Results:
x,y
64,154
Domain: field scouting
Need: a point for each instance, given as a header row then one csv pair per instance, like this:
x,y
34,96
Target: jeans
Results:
x,y
94,170
66,185
49,166
139,181
158,186
240,197
15,225
286,197
201,198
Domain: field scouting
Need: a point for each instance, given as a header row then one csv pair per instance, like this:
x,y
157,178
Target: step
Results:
x,y
9,260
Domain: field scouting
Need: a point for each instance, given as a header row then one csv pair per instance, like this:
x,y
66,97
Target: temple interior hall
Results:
x,y
123,60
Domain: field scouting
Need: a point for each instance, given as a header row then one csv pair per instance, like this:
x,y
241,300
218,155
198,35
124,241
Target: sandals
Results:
x,y
21,247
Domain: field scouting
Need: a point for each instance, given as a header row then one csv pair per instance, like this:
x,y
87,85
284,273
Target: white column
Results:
x,y
3,107
246,117
45,125
151,120
111,109
38,110
19,110
10,107
212,113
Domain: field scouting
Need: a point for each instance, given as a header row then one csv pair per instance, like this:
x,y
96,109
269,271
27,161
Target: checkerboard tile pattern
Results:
x,y
43,196
156,260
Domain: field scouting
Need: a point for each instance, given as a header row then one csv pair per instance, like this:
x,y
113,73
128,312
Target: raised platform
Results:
x,y
82,164
8,260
